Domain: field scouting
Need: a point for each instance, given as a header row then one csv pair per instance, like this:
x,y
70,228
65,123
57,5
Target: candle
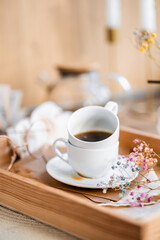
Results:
x,y
113,14
148,15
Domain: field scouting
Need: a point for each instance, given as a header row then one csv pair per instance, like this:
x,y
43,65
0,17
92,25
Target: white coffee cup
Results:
x,y
91,163
94,118
92,159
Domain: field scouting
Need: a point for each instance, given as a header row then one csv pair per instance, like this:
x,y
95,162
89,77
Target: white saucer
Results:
x,y
64,173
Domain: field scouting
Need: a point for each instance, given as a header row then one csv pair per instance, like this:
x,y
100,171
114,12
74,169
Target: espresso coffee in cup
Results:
x,y
93,136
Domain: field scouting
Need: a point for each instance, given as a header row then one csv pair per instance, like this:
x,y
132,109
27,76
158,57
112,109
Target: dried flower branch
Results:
x,y
141,160
147,43
144,156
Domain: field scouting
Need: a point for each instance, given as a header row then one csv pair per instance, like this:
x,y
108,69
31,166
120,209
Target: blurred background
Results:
x,y
67,50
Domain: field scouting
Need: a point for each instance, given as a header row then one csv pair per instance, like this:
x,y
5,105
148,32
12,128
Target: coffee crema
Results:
x,y
93,136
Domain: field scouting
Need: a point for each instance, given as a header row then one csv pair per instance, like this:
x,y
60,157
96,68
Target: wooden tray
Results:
x,y
73,213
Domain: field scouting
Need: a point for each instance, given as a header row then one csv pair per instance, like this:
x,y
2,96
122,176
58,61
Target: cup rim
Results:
x,y
94,150
93,143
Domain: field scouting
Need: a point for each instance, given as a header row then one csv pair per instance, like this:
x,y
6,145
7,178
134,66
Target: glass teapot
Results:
x,y
72,91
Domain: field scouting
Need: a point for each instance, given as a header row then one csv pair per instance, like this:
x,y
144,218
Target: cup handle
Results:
x,y
112,106
57,151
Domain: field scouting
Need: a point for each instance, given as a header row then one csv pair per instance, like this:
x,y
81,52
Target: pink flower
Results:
x,y
132,154
136,141
147,150
144,168
132,193
138,186
141,204
134,149
155,160
140,148
151,150
134,204
143,195
138,199
150,199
